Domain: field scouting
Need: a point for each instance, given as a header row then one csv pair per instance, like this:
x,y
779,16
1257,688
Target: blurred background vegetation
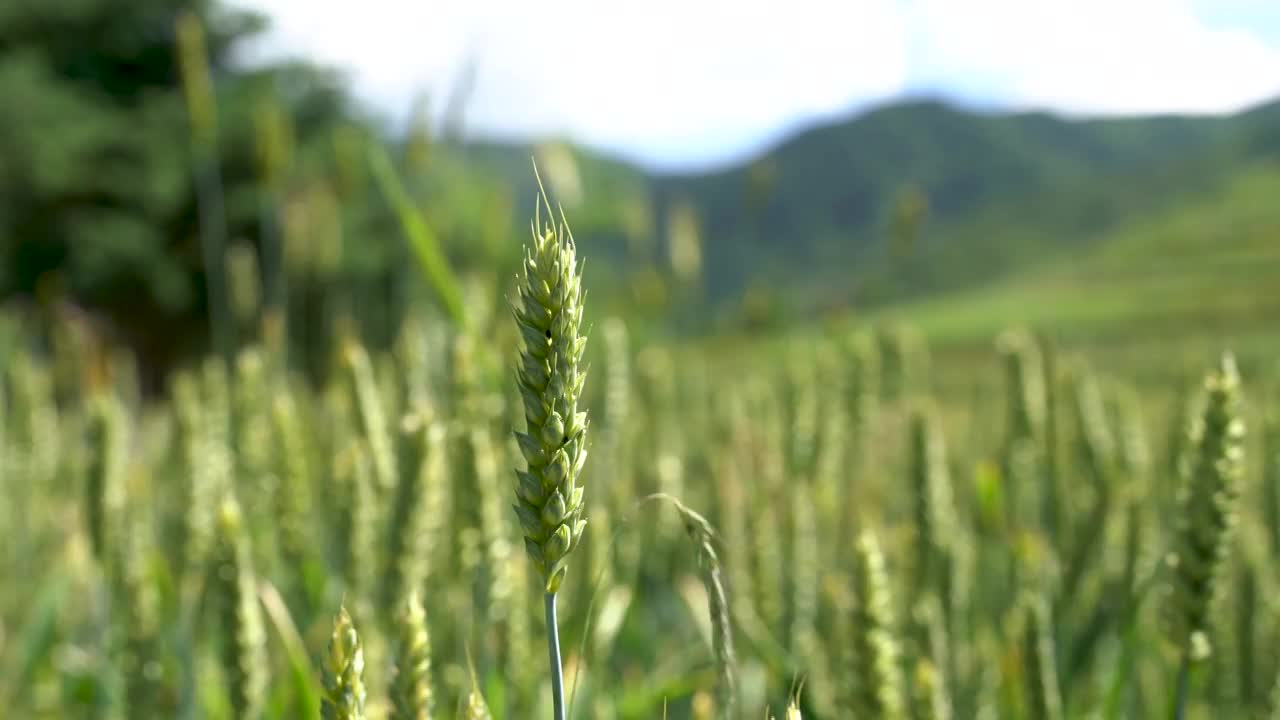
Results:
x,y
964,221
781,321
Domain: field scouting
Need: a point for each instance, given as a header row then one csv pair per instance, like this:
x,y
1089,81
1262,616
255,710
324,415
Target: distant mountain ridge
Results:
x,y
812,213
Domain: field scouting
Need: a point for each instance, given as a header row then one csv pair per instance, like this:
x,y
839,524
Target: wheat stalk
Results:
x,y
550,377
1044,696
702,535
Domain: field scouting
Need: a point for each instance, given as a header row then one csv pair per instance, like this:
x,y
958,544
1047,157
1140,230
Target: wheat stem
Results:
x,y
1184,683
553,654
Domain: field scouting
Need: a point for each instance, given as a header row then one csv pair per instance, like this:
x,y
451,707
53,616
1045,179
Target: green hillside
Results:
x,y
812,218
1199,277
1001,191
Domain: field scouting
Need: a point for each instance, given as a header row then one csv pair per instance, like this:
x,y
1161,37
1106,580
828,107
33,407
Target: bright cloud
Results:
x,y
673,80
1097,56
687,82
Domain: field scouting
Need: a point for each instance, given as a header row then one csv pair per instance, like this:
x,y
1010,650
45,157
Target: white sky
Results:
x,y
689,83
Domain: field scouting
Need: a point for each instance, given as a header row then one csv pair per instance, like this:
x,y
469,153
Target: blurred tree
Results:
x,y
95,182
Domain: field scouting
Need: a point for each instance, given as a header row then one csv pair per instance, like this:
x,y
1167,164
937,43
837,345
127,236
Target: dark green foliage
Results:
x,y
96,194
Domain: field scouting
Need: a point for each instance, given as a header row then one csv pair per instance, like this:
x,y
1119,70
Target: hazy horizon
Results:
x,y
675,86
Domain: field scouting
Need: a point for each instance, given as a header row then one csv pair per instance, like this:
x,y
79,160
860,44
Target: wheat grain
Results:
x,y
343,672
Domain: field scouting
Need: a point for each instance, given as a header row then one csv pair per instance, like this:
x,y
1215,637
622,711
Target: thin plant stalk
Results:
x,y
1183,687
553,653
198,90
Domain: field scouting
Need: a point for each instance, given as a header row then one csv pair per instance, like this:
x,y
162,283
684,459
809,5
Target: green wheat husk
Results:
x,y
904,362
1271,472
493,592
931,701
930,683
702,535
863,389
252,436
413,357
804,411
1272,711
548,314
872,675
804,566
476,708
1207,500
35,428
190,532
1234,672
137,600
406,551
1096,449
1023,452
1053,498
550,378
343,672
832,462
613,449
934,505
806,572
1134,463
661,442
411,696
292,496
353,481
243,634
732,501
371,413
520,659
107,454
768,507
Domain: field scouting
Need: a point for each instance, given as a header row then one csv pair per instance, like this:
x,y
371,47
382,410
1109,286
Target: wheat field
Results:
x,y
813,529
